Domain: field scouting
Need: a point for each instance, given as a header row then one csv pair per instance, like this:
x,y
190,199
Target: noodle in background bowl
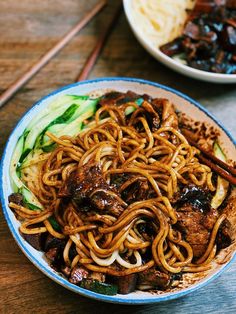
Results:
x,y
170,62
182,103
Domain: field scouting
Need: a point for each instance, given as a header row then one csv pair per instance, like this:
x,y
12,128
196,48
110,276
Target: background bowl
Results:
x,y
182,103
169,62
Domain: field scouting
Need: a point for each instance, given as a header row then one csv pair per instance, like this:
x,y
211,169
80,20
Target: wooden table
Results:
x,y
28,29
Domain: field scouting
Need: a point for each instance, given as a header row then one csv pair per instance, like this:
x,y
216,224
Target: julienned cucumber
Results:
x,y
99,287
222,184
29,199
55,119
63,116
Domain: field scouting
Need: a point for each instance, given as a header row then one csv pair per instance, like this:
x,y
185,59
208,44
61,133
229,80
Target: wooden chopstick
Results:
x,y
224,174
89,64
50,54
224,170
219,162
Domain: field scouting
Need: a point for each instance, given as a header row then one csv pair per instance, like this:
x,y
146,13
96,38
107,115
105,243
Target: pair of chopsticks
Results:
x,y
221,168
11,90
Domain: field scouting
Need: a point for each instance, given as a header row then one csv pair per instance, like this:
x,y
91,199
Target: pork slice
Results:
x,y
137,191
230,211
196,227
151,115
153,278
16,198
127,284
88,185
118,98
35,240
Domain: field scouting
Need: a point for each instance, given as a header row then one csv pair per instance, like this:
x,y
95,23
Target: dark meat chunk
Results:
x,y
52,254
35,240
203,65
152,116
195,196
118,179
147,230
169,116
211,27
229,208
118,98
228,38
72,251
224,235
137,191
66,271
111,98
127,284
172,48
16,198
78,274
89,186
153,278
54,248
196,227
192,30
52,242
231,4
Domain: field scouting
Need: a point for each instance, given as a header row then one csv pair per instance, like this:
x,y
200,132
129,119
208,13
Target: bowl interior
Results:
x,y
169,62
182,103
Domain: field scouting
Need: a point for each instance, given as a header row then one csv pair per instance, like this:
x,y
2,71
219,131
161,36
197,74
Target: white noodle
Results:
x,y
160,20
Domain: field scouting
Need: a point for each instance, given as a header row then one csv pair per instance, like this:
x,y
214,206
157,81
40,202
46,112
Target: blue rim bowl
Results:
x,y
182,101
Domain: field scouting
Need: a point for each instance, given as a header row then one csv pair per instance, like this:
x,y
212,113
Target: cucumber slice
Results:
x,y
60,102
54,223
30,199
59,112
131,109
14,166
99,287
222,185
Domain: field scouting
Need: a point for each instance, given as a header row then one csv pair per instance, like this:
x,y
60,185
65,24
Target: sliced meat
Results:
x,y
89,186
229,210
196,196
192,30
35,240
196,227
127,284
137,191
152,116
52,242
16,198
78,273
169,116
52,254
172,48
224,236
66,271
118,98
54,248
153,278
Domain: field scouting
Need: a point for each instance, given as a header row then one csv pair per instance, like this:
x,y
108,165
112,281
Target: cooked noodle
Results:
x,y
109,243
160,21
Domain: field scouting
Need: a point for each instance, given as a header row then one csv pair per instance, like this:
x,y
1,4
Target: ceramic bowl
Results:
x,y
169,62
182,103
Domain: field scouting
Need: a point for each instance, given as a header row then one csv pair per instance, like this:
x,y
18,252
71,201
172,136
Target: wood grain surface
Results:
x,y
28,29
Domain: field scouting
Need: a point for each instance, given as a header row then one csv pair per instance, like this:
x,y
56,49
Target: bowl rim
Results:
x,y
170,62
50,272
